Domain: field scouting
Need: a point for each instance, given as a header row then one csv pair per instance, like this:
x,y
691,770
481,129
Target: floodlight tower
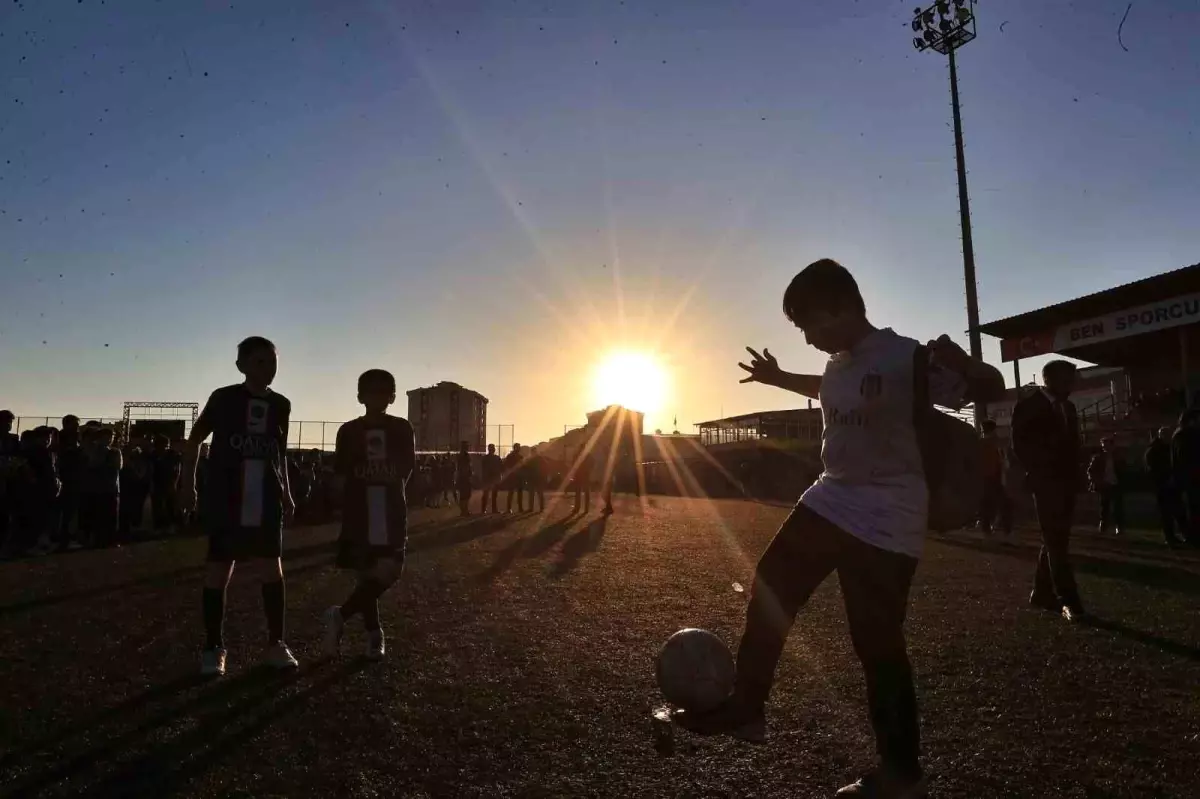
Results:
x,y
944,27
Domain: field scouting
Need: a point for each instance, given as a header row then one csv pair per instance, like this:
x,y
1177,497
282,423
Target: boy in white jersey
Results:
x,y
865,516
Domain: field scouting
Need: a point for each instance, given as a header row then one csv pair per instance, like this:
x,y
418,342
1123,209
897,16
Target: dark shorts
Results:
x,y
358,555
226,544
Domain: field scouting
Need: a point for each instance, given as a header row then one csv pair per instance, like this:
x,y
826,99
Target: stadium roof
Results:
x,y
790,415
1140,292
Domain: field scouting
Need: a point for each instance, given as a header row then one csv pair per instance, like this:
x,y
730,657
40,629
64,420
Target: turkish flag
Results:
x,y
1012,349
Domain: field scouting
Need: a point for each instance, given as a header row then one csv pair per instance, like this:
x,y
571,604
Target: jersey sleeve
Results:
x,y
408,448
209,414
341,451
285,419
946,388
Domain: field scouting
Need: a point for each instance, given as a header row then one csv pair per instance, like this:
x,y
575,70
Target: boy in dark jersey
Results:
x,y
373,461
247,496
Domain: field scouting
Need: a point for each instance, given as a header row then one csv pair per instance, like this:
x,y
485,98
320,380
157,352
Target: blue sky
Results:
x,y
499,192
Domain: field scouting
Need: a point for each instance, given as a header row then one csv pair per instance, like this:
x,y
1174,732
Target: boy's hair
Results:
x,y
823,285
7,414
1058,367
253,344
379,380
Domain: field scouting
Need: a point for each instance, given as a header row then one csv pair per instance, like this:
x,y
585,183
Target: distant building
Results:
x,y
447,414
798,428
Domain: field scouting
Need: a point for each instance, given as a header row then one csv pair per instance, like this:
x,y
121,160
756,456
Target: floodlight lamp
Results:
x,y
944,26
943,7
916,25
919,44
964,16
927,17
930,36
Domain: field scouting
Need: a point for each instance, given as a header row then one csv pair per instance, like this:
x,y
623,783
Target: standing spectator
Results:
x,y
1158,465
99,499
70,472
581,481
1185,463
1045,429
134,488
1106,476
514,479
165,467
36,492
10,464
463,478
996,502
535,480
492,468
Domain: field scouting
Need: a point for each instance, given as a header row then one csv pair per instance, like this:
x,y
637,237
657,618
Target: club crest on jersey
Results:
x,y
256,417
376,445
871,386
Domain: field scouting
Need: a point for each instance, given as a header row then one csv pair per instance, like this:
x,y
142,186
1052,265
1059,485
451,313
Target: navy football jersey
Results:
x,y
376,459
244,477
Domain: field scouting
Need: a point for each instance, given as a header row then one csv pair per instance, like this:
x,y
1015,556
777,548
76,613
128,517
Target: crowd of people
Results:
x,y
1169,468
76,486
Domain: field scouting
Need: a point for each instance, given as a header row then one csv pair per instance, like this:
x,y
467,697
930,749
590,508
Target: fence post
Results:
x,y
300,435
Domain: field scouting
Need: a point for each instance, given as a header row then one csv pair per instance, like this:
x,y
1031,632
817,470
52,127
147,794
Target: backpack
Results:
x,y
950,454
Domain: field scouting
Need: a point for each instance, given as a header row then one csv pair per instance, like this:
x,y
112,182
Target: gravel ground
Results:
x,y
520,664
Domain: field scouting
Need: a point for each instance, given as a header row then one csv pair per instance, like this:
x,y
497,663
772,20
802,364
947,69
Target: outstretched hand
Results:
x,y
763,368
944,352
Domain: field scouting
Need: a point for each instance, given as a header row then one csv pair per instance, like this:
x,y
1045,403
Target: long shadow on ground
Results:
x,y
531,546
1169,578
166,769
236,695
580,545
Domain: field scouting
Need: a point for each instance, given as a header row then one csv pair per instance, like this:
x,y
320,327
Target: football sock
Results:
x,y
273,602
214,617
371,616
364,600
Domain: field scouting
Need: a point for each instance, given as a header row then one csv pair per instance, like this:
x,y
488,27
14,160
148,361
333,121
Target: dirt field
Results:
x,y
520,664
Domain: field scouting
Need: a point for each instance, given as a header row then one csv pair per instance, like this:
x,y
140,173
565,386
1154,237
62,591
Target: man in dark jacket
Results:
x,y
1158,465
492,467
535,480
1045,430
462,476
514,478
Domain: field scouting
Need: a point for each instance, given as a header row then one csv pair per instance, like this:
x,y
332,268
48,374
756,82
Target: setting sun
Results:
x,y
635,380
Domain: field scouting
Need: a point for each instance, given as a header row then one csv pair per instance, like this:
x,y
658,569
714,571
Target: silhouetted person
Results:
x,y
1106,474
99,498
582,483
165,467
70,472
1166,494
1045,431
1185,463
492,468
10,462
462,473
535,480
514,479
995,493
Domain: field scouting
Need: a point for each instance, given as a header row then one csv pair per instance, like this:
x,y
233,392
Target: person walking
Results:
x,y
1045,429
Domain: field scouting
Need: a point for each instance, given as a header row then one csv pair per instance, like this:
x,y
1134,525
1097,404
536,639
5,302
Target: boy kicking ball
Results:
x,y
865,516
374,459
247,497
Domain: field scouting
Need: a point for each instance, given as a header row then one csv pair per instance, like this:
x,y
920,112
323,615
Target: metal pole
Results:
x,y
964,210
1017,374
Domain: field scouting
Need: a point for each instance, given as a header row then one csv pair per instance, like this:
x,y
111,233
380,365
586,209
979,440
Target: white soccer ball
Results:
x,y
695,670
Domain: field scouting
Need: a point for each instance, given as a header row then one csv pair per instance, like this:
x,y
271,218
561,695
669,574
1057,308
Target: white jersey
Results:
x,y
873,483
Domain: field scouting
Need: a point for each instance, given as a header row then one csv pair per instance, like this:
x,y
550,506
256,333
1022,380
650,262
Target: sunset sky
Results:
x,y
501,193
